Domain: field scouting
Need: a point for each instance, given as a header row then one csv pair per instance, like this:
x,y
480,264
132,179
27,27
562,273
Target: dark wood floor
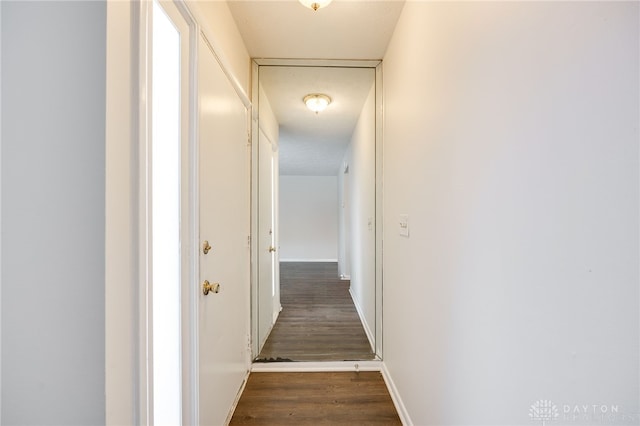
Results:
x,y
315,398
318,321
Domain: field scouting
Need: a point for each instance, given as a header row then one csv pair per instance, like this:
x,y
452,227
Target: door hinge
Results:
x,y
249,240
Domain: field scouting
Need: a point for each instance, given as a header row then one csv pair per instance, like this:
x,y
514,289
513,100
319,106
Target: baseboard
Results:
x,y
237,399
303,367
309,260
395,397
365,325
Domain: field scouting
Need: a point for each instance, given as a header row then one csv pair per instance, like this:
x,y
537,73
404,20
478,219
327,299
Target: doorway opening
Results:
x,y
166,234
165,219
333,155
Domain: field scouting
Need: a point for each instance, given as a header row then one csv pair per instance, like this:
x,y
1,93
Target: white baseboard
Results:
x,y
308,260
365,325
237,399
395,397
303,367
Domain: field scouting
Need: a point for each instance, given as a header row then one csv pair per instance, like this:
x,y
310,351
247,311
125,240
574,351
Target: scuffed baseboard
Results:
x,y
237,399
312,366
395,396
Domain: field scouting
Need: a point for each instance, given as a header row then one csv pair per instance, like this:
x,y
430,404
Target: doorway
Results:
x,y
352,238
194,175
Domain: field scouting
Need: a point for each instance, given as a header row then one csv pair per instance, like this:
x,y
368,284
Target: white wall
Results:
x,y
120,273
361,158
53,203
511,140
268,122
220,28
308,218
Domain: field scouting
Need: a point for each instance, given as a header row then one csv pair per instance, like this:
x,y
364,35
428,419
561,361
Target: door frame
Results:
x,y
188,223
127,386
256,63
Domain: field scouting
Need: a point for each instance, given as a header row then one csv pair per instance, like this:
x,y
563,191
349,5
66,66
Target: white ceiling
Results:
x,y
313,144
345,29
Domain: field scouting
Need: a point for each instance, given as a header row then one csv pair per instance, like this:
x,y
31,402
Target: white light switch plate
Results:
x,y
404,225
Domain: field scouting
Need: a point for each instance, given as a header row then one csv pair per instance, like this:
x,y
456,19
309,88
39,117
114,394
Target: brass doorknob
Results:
x,y
206,247
272,249
208,287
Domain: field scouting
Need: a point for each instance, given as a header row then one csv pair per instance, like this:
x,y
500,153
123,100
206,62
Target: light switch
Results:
x,y
404,225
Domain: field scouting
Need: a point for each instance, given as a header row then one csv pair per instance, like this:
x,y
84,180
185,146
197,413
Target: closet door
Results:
x,y
224,220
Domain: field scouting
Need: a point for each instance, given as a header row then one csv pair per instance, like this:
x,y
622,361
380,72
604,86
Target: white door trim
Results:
x,y
141,55
144,361
189,232
190,285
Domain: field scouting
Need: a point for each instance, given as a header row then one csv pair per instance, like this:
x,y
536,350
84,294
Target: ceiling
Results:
x,y
313,144
345,29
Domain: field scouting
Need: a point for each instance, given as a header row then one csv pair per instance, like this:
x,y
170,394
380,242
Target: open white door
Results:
x,y
224,220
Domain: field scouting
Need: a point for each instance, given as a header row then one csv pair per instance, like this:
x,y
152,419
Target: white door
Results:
x,y
224,220
266,239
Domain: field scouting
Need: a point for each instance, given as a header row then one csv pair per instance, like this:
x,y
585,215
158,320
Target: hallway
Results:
x,y
509,217
319,321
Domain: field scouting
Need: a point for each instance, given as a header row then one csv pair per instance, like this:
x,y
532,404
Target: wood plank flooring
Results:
x,y
318,321
344,398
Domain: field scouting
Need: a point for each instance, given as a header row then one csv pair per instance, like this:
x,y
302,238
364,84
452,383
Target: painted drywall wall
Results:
x,y
220,28
53,190
268,122
361,160
121,281
511,141
308,218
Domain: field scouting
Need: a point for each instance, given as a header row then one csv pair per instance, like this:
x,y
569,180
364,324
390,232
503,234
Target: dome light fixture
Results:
x,y
317,102
315,4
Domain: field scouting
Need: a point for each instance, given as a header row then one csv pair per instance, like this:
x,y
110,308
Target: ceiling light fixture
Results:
x,y
317,102
315,4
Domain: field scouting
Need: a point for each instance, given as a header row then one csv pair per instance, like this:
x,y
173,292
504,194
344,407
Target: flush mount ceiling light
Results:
x,y
315,4
317,102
